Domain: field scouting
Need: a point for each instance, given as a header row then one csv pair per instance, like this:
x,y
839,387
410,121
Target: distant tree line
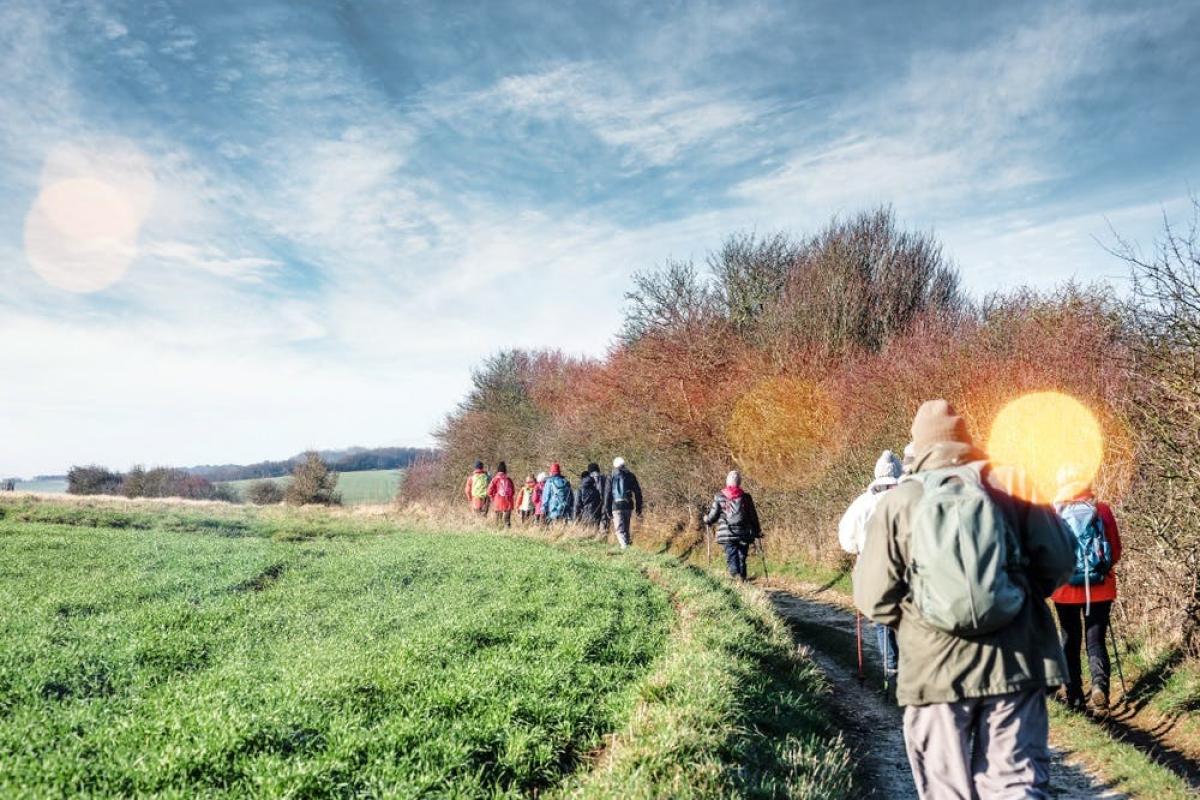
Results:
x,y
142,482
352,460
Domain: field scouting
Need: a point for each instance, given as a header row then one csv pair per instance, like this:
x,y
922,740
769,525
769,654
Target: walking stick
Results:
x,y
858,636
708,543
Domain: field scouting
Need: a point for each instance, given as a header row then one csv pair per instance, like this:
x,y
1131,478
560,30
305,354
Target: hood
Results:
x,y
732,492
946,454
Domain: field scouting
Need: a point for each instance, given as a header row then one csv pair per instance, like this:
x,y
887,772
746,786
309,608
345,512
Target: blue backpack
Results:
x,y
556,497
1093,555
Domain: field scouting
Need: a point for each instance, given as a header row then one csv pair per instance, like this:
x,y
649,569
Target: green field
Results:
x,y
367,487
178,652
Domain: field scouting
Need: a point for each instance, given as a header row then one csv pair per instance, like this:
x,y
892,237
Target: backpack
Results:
x,y
1093,554
479,485
589,493
504,488
735,514
556,497
963,551
621,493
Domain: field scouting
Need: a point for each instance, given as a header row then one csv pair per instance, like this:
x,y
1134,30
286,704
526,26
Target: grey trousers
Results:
x,y
621,521
989,747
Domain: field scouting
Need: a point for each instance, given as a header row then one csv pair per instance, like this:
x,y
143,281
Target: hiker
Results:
x,y
500,492
539,494
623,498
589,500
1084,604
556,496
961,569
477,489
736,518
852,533
527,499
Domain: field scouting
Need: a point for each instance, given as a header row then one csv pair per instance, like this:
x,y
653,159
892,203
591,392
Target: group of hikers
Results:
x,y
548,498
953,568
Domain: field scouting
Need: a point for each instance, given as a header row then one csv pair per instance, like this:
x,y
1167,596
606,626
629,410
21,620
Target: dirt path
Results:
x,y
871,721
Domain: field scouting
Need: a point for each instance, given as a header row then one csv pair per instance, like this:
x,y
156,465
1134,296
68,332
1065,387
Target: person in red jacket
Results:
x,y
1085,602
476,489
539,509
502,492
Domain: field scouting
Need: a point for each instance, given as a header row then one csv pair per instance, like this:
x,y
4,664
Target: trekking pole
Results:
x,y
858,636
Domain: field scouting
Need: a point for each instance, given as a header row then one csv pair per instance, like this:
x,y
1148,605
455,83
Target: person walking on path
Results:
x,y
539,495
589,500
852,533
527,499
477,489
736,518
556,496
623,498
961,569
1085,603
501,492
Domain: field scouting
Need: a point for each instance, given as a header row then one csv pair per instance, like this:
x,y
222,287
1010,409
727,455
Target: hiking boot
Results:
x,y
1098,702
1069,699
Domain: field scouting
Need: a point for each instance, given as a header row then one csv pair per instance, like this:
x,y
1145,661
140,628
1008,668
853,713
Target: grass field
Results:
x,y
192,651
369,486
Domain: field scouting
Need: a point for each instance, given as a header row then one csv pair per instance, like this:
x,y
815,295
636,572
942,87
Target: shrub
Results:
x,y
93,479
313,483
264,493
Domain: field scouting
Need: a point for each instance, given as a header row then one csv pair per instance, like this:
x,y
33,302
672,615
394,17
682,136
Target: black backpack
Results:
x,y
735,513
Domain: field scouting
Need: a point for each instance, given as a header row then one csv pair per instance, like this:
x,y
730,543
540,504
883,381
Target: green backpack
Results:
x,y
479,485
963,553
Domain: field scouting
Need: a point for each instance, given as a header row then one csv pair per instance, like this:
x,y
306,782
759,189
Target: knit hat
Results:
x,y
593,467
478,465
936,423
541,477
888,466
618,462
734,478
501,467
555,469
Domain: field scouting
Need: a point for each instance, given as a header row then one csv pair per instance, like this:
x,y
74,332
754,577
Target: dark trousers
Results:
x,y
504,518
525,515
1074,622
735,557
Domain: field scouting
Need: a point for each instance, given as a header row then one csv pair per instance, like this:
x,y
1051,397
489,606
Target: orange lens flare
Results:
x,y
781,431
1051,440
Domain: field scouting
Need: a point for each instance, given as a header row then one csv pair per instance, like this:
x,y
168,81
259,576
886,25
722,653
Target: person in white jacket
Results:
x,y
852,535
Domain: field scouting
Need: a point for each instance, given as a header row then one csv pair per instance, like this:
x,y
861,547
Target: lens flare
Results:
x,y
781,431
81,232
1047,438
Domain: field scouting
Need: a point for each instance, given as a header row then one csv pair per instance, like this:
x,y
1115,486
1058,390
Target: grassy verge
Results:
x,y
201,651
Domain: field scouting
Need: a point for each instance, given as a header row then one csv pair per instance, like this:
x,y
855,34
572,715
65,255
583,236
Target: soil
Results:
x,y
873,722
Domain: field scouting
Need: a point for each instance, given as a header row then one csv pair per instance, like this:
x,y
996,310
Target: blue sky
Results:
x,y
329,211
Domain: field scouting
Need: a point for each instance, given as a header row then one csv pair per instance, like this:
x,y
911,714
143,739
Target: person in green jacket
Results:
x,y
975,721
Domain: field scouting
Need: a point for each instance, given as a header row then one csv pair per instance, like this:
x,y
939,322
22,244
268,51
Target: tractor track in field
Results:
x,y
872,722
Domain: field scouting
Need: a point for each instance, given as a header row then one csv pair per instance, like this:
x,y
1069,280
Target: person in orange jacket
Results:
x,y
501,492
1085,602
477,488
527,499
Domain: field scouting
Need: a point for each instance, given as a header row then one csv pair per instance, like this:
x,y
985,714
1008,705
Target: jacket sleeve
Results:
x,y
752,517
608,498
848,527
637,495
1049,547
879,574
491,490
1110,530
714,512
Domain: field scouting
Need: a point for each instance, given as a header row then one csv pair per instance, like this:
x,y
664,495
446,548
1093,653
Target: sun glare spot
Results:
x,y
81,233
780,431
1045,436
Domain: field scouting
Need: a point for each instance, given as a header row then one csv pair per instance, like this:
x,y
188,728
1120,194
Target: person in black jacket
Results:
x,y
622,498
589,501
737,523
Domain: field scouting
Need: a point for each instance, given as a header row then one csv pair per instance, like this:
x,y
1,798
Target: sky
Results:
x,y
231,230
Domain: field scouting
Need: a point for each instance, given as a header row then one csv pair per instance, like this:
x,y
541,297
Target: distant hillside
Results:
x,y
350,459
